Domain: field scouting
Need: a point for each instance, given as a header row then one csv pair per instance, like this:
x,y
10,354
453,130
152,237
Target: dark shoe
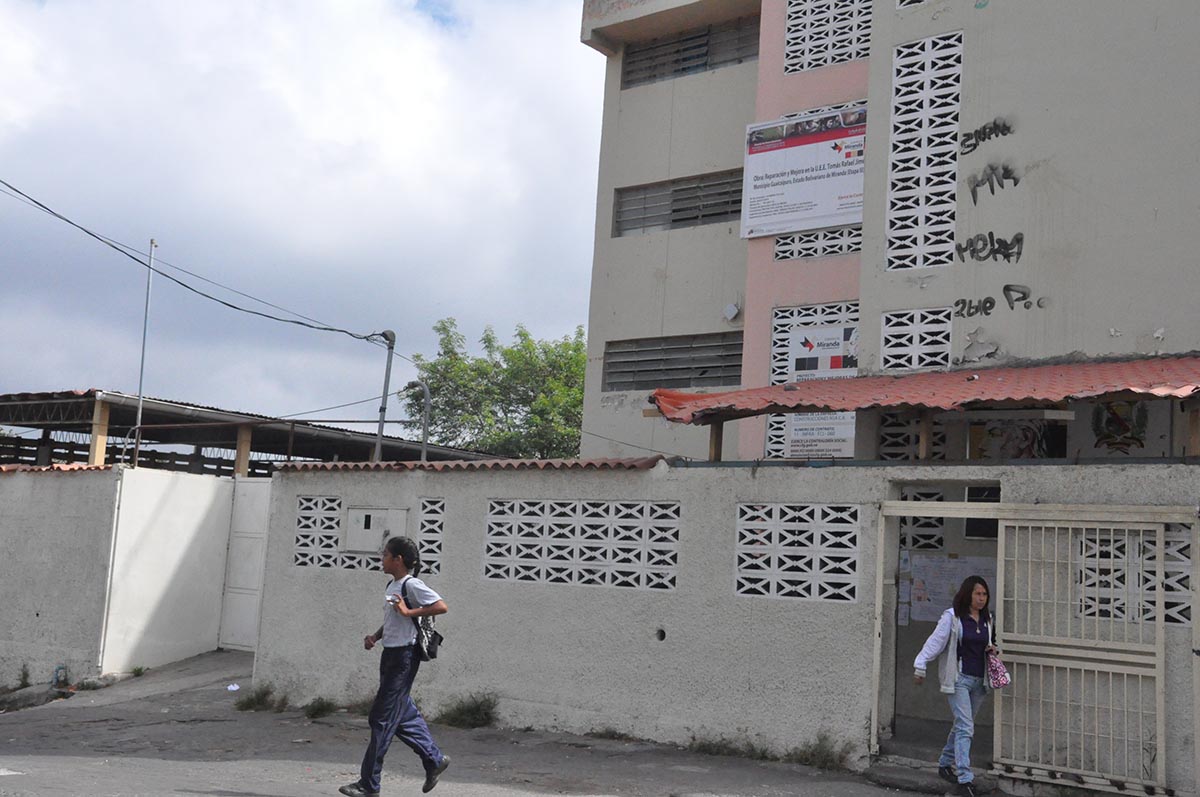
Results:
x,y
356,789
431,777
967,790
947,774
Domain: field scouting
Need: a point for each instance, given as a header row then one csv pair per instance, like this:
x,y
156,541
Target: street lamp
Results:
x,y
424,415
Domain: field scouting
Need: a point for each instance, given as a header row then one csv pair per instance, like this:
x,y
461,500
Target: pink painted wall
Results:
x,y
791,282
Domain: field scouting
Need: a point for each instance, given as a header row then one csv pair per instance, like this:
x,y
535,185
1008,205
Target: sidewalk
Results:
x,y
175,731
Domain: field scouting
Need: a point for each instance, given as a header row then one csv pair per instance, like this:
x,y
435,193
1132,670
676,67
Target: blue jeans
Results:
x,y
394,714
968,696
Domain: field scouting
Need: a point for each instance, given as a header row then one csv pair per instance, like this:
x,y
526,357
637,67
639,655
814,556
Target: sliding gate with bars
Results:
x,y
1081,606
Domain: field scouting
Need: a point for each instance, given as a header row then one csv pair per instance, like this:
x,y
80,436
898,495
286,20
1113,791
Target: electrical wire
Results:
x,y
373,337
632,445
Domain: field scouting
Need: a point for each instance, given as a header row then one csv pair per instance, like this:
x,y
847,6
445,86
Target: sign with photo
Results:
x,y
822,353
804,173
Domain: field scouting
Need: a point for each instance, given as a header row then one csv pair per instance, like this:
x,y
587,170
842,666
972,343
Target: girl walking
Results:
x,y
961,641
393,713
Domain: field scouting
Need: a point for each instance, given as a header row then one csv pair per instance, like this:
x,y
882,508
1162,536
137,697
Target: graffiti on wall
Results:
x,y
1016,296
997,128
993,176
1120,425
989,246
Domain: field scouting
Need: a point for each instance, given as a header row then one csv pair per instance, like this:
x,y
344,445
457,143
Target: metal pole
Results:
x,y
424,416
137,424
390,337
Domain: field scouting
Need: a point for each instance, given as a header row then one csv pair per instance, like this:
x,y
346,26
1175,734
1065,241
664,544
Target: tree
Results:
x,y
523,400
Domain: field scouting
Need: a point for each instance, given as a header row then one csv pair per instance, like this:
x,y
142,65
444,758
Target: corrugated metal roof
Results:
x,y
45,468
639,463
1176,377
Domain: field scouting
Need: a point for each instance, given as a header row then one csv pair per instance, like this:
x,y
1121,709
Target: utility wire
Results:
x,y
373,337
631,445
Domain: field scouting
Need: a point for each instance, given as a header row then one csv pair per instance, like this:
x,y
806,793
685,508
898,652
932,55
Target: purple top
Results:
x,y
972,646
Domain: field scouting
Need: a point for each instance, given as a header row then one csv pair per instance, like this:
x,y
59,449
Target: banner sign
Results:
x,y
822,353
804,173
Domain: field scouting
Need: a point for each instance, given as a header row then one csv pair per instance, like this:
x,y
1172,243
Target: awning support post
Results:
x,y
241,463
924,435
716,436
1193,427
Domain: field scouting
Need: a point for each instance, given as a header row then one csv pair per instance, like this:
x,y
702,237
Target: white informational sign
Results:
x,y
822,353
936,578
804,173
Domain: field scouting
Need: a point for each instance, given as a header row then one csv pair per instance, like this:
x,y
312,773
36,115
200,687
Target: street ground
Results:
x,y
175,731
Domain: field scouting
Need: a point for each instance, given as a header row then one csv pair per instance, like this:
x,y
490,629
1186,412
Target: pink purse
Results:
x,y
997,675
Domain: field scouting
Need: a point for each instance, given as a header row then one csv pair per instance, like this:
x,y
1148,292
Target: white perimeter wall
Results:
x,y
774,671
171,541
54,551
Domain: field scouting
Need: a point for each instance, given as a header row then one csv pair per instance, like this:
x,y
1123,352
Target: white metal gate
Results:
x,y
1081,618
244,566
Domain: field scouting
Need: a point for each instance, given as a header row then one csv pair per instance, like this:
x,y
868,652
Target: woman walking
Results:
x,y
962,639
393,713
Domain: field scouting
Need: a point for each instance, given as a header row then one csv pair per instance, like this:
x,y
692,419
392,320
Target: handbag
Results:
x,y
428,639
997,673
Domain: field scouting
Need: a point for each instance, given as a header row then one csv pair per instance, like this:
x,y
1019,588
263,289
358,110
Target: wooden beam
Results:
x,y
99,440
651,412
925,435
716,436
241,465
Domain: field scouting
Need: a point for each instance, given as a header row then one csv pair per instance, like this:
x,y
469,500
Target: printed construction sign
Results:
x,y
804,173
822,353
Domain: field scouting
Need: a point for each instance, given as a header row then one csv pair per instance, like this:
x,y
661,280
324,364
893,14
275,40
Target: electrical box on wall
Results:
x,y
368,528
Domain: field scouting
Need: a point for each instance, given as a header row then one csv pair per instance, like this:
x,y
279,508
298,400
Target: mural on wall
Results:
x,y
1004,440
1120,425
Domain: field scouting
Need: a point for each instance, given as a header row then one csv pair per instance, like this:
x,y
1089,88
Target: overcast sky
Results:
x,y
369,164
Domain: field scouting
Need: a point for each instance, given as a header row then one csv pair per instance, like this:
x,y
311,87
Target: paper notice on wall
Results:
x,y
906,592
937,577
822,353
902,614
905,562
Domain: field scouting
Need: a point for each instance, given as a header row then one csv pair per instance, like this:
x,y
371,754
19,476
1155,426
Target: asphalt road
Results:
x,y
176,732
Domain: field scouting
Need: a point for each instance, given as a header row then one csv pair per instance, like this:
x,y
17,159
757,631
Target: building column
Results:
x,y
99,441
241,465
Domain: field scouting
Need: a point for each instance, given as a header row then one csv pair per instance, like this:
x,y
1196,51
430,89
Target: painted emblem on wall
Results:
x,y
1120,425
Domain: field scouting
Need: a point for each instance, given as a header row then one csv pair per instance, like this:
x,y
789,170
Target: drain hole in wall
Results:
x,y
660,635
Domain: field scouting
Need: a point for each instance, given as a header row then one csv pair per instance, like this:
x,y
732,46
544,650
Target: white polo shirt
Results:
x,y
399,630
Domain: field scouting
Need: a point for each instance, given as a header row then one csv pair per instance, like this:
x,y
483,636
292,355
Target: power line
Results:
x,y
632,445
373,337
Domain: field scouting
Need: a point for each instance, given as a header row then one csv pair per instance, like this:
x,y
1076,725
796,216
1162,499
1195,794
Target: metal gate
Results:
x,y
1081,615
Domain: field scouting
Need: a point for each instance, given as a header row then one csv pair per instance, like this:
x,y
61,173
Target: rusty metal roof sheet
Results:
x,y
1167,376
639,463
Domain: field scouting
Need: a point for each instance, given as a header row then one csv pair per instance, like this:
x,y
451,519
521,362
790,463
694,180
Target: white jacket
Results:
x,y
944,641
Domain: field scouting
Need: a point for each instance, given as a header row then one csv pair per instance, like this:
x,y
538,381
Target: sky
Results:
x,y
371,165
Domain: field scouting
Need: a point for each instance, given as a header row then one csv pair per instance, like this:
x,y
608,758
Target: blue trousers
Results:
x,y
968,696
394,714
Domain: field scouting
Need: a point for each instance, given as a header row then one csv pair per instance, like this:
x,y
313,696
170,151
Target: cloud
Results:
x,y
375,164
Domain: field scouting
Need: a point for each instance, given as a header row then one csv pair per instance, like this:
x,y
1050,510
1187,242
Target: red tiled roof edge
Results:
x,y
64,468
639,463
1167,376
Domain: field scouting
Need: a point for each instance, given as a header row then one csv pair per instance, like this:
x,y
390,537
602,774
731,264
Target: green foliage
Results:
x,y
24,676
820,753
88,685
281,704
258,700
520,400
361,707
138,672
320,707
609,732
476,710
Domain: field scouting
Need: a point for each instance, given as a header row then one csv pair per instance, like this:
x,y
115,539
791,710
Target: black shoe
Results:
x,y
967,790
431,777
356,789
947,774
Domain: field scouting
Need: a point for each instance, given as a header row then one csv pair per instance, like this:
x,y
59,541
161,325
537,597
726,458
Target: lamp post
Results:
x,y
137,424
424,416
389,336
